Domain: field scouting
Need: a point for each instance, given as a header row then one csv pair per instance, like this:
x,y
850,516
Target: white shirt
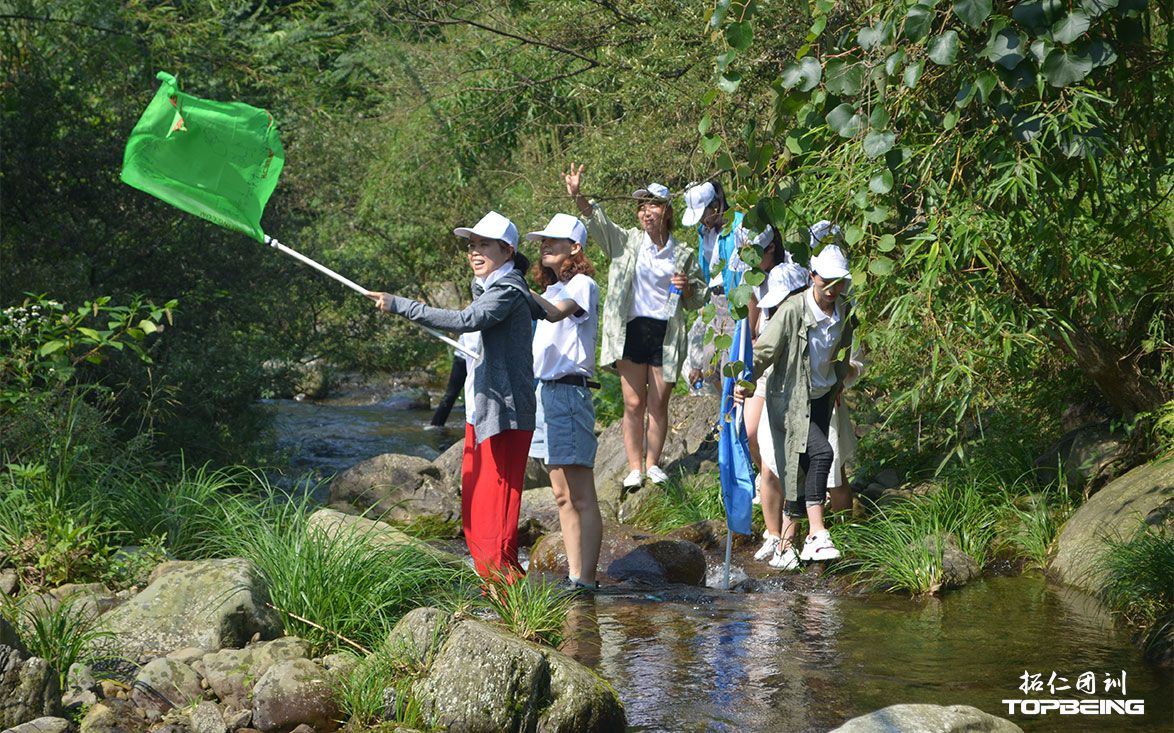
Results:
x,y
821,342
472,340
654,274
567,347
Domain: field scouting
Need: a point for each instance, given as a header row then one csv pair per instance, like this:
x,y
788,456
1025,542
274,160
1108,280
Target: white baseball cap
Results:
x,y
697,197
652,191
783,280
822,229
562,226
492,226
831,263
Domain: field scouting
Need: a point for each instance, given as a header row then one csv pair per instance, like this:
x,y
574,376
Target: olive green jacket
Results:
x,y
622,246
783,345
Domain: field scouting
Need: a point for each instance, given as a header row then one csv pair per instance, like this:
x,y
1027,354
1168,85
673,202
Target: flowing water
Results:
x,y
798,661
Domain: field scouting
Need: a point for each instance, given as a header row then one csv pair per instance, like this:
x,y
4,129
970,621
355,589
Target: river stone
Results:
x,y
1083,455
41,725
292,693
80,687
9,638
539,511
332,524
112,716
397,487
213,604
206,718
679,562
958,568
663,561
29,688
1144,494
87,600
9,581
582,702
229,675
164,684
484,680
928,719
419,634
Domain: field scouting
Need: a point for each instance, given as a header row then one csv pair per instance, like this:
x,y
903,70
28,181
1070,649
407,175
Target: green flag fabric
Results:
x,y
217,160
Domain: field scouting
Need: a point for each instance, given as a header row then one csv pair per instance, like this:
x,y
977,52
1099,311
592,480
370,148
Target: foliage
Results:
x,y
1140,574
683,500
531,608
62,633
363,696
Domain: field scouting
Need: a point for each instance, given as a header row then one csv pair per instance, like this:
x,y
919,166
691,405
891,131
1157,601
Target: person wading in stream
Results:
x,y
499,389
800,345
564,362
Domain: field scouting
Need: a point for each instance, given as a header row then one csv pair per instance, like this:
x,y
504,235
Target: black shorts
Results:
x,y
644,342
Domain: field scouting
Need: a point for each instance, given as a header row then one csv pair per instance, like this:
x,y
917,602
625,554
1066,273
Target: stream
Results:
x,y
703,660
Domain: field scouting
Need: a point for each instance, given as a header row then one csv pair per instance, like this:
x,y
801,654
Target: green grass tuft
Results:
x,y
684,500
529,607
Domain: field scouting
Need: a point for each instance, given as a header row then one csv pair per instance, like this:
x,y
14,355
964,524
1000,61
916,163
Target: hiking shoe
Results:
x,y
819,547
656,475
768,547
633,479
785,558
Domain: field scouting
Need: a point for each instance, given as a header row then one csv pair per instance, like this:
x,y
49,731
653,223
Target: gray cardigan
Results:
x,y
503,383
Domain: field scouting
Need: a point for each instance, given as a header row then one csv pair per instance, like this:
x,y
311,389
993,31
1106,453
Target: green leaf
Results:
x,y
1062,68
719,14
708,97
703,125
740,296
881,182
1101,53
894,61
845,121
972,12
724,162
876,214
739,35
89,333
879,119
950,119
148,326
1070,27
1040,48
860,199
878,143
1037,16
881,266
913,74
965,94
870,36
50,347
986,82
804,74
817,27
710,144
1005,48
729,81
886,243
844,78
853,234
755,277
917,22
1097,7
943,50
724,59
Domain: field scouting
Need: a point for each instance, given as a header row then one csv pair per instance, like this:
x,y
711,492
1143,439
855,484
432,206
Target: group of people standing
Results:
x,y
527,386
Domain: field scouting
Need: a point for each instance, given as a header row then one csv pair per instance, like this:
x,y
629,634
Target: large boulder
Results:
x,y
1082,456
580,699
333,524
629,554
928,719
397,487
29,687
1116,511
292,693
211,604
41,725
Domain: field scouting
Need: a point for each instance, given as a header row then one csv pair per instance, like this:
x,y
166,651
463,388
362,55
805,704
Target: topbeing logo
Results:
x,y
1076,707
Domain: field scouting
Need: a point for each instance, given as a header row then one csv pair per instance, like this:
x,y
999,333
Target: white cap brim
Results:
x,y
691,216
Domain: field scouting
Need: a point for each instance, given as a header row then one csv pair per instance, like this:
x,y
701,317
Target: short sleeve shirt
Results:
x,y
567,347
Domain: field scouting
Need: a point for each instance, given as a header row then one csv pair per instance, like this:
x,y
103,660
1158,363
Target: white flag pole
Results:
x,y
272,242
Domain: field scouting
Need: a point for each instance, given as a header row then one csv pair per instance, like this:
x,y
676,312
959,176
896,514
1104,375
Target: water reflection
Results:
x,y
808,662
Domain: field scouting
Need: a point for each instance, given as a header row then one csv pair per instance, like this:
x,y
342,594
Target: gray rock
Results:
x,y
1117,511
80,687
581,701
397,487
229,674
41,725
237,719
165,684
928,719
958,568
87,600
213,604
29,688
539,511
663,561
292,693
206,718
340,664
419,634
112,716
8,637
333,524
1084,455
8,582
483,681
189,655
449,465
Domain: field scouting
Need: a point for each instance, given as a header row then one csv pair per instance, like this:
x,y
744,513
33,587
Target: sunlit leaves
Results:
x,y
844,77
804,74
1006,48
912,74
878,143
846,121
1063,67
739,35
972,12
943,49
881,182
881,266
917,22
1070,27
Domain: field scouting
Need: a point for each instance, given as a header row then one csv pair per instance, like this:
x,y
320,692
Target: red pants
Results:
x,y
492,474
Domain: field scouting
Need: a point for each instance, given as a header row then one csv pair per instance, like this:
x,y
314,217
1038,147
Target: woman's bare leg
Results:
x,y
634,385
658,413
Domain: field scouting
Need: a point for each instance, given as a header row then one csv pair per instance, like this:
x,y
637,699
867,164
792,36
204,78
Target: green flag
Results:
x,y
217,160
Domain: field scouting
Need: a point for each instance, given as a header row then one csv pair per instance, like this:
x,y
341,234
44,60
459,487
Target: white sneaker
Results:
x,y
819,547
633,479
657,476
785,558
768,547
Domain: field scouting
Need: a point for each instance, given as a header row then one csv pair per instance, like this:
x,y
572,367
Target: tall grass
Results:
x,y
685,499
60,633
529,607
1139,575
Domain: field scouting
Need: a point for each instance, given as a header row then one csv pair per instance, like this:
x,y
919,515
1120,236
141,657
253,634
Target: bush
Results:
x,y
1139,583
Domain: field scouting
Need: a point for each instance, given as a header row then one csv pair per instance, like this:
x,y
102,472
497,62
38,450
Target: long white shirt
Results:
x,y
472,340
567,347
821,340
654,274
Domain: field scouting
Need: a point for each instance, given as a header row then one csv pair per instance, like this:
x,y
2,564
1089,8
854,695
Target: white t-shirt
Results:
x,y
567,347
472,341
821,342
654,274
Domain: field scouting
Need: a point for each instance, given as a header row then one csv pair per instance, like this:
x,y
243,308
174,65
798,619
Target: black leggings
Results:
x,y
456,382
817,461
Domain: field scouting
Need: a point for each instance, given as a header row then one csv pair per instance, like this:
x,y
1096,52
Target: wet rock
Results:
x,y
292,693
715,577
958,568
112,716
206,718
397,487
41,725
581,701
409,398
213,604
1117,510
333,523
936,718
29,688
708,534
165,684
663,561
1083,456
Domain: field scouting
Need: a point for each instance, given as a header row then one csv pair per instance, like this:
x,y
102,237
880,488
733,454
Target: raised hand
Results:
x,y
573,178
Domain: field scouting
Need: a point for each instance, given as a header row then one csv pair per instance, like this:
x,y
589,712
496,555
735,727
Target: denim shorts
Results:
x,y
564,432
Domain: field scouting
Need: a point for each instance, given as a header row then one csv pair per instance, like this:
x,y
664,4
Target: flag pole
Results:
x,y
272,242
729,548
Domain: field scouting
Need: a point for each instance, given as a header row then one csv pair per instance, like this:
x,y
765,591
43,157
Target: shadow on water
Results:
x,y
809,662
